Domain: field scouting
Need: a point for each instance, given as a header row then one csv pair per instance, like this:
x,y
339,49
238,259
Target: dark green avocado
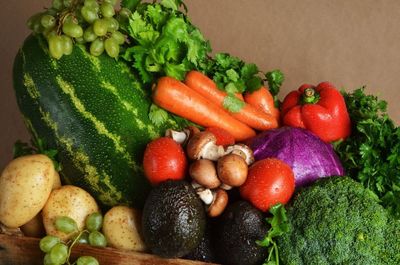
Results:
x,y
205,250
236,233
173,219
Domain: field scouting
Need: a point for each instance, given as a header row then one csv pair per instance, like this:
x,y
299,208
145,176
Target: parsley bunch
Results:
x,y
371,155
163,41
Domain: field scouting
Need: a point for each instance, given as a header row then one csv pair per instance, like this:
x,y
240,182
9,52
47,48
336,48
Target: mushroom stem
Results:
x,y
179,137
205,195
212,152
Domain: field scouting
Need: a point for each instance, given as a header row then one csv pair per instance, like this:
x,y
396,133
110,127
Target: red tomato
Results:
x,y
164,159
269,181
223,136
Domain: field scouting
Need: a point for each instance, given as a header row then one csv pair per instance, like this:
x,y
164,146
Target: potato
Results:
x,y
121,228
25,185
70,201
35,228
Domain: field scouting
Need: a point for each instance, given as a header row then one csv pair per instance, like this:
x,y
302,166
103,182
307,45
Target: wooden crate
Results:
x,y
25,251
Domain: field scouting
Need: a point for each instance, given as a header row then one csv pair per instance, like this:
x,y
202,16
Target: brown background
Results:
x,y
350,43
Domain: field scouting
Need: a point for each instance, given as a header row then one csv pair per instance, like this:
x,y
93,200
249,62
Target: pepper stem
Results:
x,y
310,96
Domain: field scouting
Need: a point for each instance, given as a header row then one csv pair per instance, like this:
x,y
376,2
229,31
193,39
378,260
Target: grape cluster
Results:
x,y
92,22
58,252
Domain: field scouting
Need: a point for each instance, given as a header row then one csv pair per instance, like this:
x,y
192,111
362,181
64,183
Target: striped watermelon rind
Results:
x,y
94,112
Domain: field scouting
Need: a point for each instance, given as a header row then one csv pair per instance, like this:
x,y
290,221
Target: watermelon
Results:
x,y
94,111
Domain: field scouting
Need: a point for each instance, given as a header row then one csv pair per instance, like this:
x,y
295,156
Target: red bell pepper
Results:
x,y
320,109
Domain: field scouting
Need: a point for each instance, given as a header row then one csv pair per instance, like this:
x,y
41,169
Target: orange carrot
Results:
x,y
248,114
181,100
262,100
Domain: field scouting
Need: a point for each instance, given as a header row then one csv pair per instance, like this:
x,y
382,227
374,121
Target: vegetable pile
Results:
x,y
189,154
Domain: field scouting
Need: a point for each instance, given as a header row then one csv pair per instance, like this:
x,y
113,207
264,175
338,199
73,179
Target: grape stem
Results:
x,y
73,243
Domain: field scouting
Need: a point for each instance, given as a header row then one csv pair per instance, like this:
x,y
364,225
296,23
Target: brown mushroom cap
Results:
x,y
203,145
204,172
232,170
242,150
219,204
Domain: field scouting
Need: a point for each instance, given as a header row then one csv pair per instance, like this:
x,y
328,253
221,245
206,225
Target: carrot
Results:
x,y
262,100
176,97
248,114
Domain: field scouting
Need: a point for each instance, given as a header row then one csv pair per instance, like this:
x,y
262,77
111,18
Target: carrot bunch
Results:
x,y
199,100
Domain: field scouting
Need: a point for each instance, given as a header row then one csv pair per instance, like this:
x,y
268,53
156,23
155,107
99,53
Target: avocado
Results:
x,y
173,219
236,232
205,250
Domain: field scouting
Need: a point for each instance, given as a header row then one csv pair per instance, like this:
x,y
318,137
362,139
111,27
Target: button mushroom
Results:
x,y
203,145
242,150
205,195
232,170
219,203
203,172
182,137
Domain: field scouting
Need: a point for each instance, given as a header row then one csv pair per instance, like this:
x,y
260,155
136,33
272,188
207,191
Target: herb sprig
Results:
x,y
279,226
371,155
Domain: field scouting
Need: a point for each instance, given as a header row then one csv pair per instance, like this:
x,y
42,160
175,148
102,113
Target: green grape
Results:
x,y
89,34
57,4
68,45
97,47
65,224
92,4
80,40
32,20
47,260
112,2
72,29
48,242
47,34
67,3
94,221
118,37
87,260
56,47
112,47
89,14
52,12
83,238
125,12
48,21
112,23
59,253
97,239
107,10
100,27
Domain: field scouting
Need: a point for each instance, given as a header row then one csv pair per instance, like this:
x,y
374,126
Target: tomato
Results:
x,y
223,136
164,159
269,181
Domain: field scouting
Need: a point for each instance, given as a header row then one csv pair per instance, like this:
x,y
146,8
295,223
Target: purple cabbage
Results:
x,y
309,157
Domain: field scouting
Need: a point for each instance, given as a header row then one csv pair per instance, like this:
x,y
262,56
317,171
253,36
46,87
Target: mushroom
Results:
x,y
242,150
182,137
232,170
219,203
203,172
203,145
205,195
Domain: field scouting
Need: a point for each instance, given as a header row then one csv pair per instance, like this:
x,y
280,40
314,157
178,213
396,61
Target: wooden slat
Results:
x,y
25,251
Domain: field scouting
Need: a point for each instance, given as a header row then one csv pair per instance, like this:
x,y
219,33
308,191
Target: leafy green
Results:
x,y
275,79
232,103
279,226
37,146
232,74
157,115
164,42
371,155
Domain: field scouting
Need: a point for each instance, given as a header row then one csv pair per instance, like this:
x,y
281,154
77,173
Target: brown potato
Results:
x,y
121,227
70,201
25,186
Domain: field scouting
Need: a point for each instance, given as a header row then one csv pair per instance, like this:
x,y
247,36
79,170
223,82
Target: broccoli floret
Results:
x,y
338,221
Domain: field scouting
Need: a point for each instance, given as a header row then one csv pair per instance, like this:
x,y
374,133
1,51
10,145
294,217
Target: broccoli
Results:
x,y
338,221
